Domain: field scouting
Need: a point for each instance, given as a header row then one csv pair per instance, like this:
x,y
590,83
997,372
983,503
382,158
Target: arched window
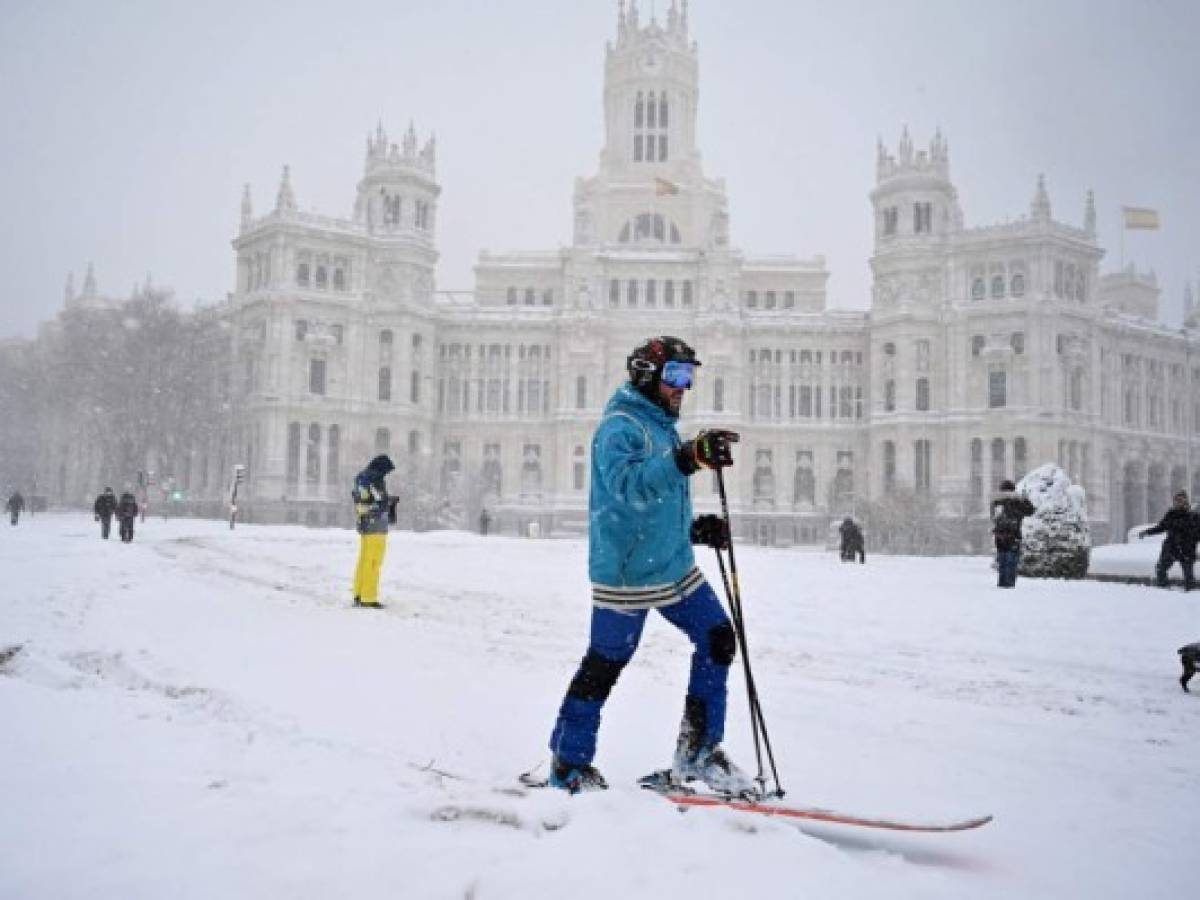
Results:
x,y
997,287
579,480
999,462
804,484
295,429
1019,458
385,338
322,277
332,457
978,289
662,111
889,467
648,228
889,395
414,387
385,383
651,111
312,455
1017,285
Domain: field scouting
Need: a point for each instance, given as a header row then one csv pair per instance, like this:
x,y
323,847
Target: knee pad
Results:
x,y
596,677
722,644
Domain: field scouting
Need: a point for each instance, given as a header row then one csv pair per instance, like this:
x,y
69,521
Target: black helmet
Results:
x,y
645,363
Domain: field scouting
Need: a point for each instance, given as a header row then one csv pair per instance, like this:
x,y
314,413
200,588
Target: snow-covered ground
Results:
x,y
200,715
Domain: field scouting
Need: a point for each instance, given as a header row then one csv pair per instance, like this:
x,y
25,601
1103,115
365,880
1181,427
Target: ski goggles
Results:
x,y
678,374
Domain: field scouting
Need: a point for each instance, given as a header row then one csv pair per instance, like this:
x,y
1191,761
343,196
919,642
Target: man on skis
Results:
x,y
640,558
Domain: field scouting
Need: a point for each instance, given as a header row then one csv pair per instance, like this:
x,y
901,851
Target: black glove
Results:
x,y
711,531
710,448
392,501
1143,533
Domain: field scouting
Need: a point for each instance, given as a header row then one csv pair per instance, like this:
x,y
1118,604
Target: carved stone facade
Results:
x,y
986,351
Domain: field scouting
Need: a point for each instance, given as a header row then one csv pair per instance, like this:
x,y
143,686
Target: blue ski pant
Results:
x,y
614,639
1007,561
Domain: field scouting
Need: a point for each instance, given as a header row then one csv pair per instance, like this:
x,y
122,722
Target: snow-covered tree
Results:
x,y
1056,540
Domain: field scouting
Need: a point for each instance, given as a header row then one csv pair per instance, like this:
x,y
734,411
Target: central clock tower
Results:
x,y
650,96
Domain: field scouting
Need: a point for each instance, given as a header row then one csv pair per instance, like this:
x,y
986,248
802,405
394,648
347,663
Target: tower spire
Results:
x,y
247,207
69,290
1089,214
1040,207
89,282
285,200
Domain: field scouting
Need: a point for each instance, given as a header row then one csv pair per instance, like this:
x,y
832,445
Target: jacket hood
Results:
x,y
381,465
629,399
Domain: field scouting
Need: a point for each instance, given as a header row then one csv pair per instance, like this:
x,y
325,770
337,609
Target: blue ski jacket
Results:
x,y
640,508
371,500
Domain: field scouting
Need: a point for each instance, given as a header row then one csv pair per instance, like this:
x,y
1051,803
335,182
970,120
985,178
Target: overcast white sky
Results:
x,y
130,127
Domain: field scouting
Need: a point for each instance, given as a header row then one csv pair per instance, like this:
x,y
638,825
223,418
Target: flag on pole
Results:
x,y
1140,217
662,187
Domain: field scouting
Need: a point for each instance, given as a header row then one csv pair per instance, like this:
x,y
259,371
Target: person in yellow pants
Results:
x,y
375,510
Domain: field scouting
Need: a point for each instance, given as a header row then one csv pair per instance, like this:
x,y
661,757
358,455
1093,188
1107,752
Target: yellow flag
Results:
x,y
1140,217
662,187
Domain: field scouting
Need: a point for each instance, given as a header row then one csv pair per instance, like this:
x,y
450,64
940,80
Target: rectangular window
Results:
x,y
789,299
922,394
578,480
687,293
385,383
414,387
316,376
669,293
769,300
997,389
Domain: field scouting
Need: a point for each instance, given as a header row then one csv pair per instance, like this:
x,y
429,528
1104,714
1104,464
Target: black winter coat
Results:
x,y
127,507
1182,527
1008,511
106,505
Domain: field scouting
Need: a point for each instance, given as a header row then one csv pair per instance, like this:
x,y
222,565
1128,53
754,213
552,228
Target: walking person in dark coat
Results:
x,y
127,510
105,508
1009,510
1183,529
15,506
852,541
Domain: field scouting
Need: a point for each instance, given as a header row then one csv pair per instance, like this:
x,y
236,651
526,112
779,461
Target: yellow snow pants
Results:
x,y
370,561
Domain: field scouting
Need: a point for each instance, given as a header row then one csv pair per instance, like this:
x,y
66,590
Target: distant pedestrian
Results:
x,y
1182,527
1009,510
1189,655
375,510
127,510
15,505
852,541
484,521
105,508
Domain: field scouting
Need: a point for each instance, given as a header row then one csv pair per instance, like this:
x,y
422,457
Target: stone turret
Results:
x,y
285,200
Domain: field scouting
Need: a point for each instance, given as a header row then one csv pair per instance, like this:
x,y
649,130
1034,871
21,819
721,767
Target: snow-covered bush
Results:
x,y
1056,540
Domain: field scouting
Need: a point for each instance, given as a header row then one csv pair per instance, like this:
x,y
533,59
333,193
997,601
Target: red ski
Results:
x,y
767,808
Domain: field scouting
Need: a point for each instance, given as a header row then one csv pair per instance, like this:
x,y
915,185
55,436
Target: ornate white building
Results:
x,y
986,350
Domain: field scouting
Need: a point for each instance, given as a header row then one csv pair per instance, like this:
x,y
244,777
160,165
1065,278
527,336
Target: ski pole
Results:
x,y
758,720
